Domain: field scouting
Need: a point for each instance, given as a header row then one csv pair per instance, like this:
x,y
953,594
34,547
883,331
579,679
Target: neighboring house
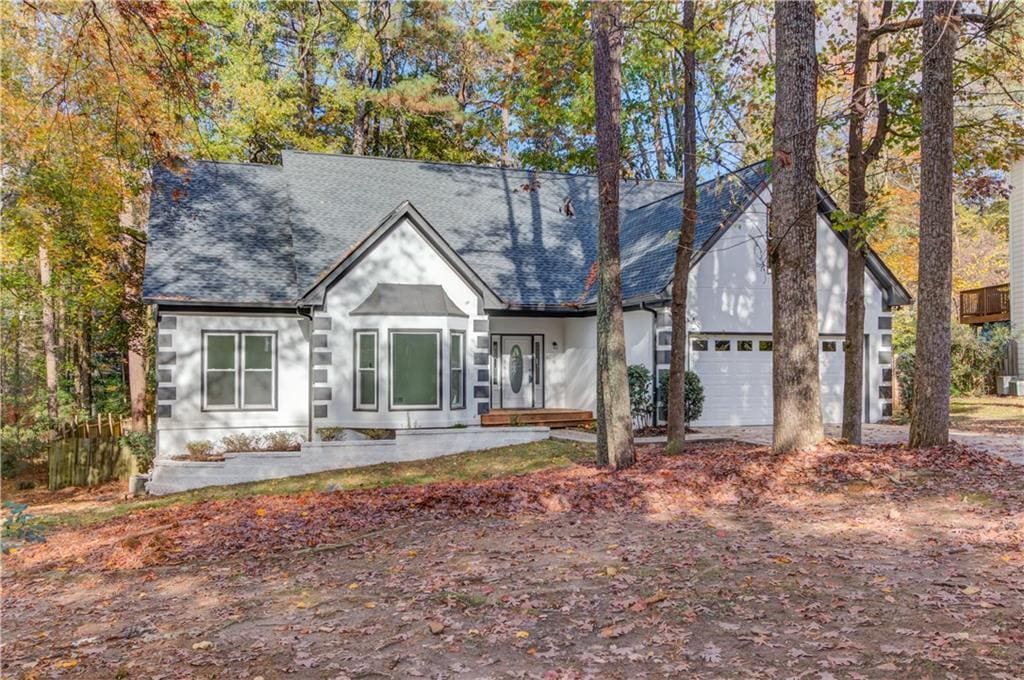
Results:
x,y
365,292
1017,271
1003,304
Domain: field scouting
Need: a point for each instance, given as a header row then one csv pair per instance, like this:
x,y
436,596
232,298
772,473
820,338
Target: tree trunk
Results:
x,y
793,232
138,325
137,383
684,248
641,167
929,420
853,349
503,140
675,126
83,362
360,125
614,422
659,143
49,334
306,44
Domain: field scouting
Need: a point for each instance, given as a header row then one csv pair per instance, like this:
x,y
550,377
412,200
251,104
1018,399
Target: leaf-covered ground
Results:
x,y
1003,415
722,561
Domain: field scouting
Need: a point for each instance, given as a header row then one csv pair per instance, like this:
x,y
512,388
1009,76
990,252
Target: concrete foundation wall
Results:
x,y
171,476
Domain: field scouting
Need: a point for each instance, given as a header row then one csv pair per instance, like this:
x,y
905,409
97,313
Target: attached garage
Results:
x,y
736,371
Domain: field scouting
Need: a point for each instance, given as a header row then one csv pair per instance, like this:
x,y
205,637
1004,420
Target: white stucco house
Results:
x,y
359,292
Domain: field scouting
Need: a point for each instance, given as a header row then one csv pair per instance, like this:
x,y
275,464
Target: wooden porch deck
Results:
x,y
550,417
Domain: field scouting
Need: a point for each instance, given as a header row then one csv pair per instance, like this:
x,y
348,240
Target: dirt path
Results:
x,y
856,568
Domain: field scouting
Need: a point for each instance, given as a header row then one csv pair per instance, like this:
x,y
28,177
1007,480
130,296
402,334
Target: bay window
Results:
x,y
415,370
366,371
456,370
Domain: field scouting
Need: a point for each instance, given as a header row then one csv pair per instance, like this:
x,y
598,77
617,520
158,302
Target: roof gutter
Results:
x,y
218,306
584,309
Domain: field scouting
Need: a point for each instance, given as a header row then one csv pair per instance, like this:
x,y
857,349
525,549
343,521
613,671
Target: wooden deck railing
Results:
x,y
985,305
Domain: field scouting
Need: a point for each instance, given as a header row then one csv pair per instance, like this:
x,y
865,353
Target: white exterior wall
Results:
x,y
730,292
580,354
730,288
555,372
581,362
403,257
1017,260
180,414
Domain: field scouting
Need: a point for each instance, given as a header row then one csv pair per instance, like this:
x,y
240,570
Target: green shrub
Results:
x,y
19,445
18,526
904,370
641,401
242,441
974,358
281,440
142,447
203,448
382,433
693,391
330,434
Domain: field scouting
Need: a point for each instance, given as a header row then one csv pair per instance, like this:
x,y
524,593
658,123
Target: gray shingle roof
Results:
x,y
221,233
650,232
408,299
225,232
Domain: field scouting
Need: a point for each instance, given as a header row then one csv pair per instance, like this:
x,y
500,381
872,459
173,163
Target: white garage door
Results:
x,y
736,372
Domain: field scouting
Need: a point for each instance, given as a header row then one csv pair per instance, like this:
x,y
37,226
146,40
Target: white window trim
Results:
x,y
437,405
272,404
239,370
233,406
357,391
460,369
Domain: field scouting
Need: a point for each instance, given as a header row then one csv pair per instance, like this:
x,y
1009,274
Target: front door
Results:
x,y
516,371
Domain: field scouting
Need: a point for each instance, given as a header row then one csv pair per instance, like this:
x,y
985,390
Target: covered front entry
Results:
x,y
517,368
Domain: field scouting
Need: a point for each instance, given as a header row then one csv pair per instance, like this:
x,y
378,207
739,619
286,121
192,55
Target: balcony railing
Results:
x,y
985,305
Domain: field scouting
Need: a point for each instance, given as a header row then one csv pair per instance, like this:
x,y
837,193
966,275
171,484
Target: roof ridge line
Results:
x,y
475,166
718,178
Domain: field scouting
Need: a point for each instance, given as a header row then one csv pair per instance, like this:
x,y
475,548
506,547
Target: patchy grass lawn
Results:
x,y
988,414
83,507
722,561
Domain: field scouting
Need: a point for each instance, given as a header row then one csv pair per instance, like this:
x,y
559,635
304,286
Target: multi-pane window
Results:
x,y
257,371
456,369
239,371
415,369
366,371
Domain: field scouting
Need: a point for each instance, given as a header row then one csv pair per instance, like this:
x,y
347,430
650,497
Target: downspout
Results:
x,y
156,367
654,354
309,373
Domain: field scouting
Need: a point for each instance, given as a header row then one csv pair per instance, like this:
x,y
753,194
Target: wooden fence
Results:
x,y
90,452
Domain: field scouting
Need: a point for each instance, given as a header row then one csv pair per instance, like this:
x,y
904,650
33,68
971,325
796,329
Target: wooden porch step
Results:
x,y
541,416
558,424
